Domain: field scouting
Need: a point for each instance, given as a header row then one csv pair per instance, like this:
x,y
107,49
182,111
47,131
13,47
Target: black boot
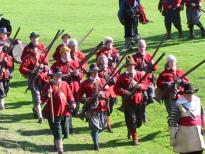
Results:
x,y
199,24
191,32
168,36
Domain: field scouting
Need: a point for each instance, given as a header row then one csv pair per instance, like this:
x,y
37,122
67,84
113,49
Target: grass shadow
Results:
x,y
16,84
149,137
34,132
16,105
6,118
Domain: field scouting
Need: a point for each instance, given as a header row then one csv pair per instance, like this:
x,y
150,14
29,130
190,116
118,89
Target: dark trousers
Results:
x,y
133,115
130,26
172,16
60,127
111,105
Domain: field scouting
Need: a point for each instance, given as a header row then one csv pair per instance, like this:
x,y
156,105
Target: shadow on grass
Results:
x,y
35,132
6,118
81,130
118,124
149,137
25,145
16,84
16,105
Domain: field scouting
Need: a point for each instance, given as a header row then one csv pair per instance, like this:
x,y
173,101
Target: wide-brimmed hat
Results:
x,y
64,35
3,30
34,34
64,49
130,61
93,68
56,71
188,89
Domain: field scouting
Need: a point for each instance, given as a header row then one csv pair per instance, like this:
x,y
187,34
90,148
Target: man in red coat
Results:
x,y
144,62
34,38
72,74
96,101
65,38
76,54
108,50
132,100
34,66
171,11
105,72
6,63
170,83
59,105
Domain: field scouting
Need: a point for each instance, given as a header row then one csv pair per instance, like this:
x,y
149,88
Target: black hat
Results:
x,y
64,35
57,71
3,30
93,68
188,89
34,34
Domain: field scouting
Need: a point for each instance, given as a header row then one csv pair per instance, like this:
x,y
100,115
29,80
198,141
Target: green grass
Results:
x,y
19,132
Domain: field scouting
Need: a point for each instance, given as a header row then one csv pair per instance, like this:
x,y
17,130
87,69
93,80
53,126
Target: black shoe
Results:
x,y
71,131
40,120
96,147
181,35
203,34
34,113
168,36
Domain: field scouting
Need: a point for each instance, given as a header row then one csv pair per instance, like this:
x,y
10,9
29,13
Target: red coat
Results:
x,y
28,49
56,55
143,62
79,55
88,88
61,96
8,65
66,68
102,74
169,4
196,2
123,83
168,76
108,53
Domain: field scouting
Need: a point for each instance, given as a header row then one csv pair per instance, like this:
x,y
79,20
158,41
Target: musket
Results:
x,y
158,47
184,75
122,107
86,36
51,98
201,10
91,53
57,35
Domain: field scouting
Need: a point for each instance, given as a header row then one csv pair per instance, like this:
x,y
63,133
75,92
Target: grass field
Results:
x,y
19,132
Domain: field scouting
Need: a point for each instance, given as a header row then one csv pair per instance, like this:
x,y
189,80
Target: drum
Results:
x,y
17,51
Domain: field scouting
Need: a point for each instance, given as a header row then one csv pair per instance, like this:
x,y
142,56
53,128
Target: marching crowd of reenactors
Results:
x,y
58,91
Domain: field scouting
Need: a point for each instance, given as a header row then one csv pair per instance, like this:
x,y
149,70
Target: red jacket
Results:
x,y
102,74
195,2
7,65
88,88
66,68
169,4
61,95
123,83
143,62
168,76
108,53
28,49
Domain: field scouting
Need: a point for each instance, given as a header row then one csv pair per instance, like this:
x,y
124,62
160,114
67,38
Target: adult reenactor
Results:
x,y
3,34
105,72
144,62
6,63
76,54
108,50
72,74
133,106
193,14
5,23
170,9
34,66
60,103
34,38
96,102
169,82
65,38
187,123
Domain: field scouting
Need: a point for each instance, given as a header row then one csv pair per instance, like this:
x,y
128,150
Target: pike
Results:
x,y
122,107
201,10
57,35
51,98
85,37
